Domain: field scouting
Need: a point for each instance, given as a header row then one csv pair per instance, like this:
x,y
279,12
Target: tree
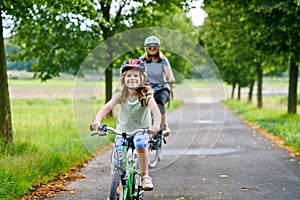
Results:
x,y
6,136
226,40
261,33
48,35
279,36
16,10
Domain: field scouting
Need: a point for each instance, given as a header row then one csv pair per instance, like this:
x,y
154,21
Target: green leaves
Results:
x,y
240,34
57,35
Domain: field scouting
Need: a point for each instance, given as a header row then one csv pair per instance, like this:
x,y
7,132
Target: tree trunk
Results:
x,y
259,74
293,80
239,91
232,90
6,136
250,94
109,75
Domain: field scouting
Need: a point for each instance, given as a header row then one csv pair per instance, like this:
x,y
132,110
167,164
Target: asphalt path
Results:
x,y
211,154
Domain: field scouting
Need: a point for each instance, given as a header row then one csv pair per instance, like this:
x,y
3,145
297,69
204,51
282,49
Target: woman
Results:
x,y
136,102
159,74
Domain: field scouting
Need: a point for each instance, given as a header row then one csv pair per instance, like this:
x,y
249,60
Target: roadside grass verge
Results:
x,y
47,142
273,120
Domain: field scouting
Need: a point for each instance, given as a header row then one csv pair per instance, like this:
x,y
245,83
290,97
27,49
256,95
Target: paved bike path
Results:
x,y
212,154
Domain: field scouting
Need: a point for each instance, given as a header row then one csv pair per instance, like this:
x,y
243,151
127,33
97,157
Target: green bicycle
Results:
x,y
126,181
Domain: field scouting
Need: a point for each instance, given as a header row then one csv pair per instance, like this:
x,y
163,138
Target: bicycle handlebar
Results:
x,y
103,130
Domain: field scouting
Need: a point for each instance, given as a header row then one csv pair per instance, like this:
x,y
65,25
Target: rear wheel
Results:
x,y
116,188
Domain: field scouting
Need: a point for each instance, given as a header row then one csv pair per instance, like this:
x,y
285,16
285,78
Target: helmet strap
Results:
x,y
138,88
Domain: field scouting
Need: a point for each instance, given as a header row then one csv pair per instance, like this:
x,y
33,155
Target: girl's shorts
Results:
x,y
140,140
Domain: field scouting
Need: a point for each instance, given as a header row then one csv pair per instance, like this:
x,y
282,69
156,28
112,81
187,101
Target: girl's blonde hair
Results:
x,y
141,92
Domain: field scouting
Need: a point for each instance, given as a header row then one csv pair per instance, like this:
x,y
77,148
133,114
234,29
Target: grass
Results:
x,y
46,143
276,121
51,136
35,83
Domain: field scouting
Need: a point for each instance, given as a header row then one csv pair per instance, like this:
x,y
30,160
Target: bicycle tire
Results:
x,y
159,146
136,189
114,194
137,184
153,152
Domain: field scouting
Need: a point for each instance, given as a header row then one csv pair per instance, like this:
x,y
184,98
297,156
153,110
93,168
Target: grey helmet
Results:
x,y
152,40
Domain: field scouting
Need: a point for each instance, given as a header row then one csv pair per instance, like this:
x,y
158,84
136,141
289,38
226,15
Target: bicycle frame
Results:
x,y
127,169
127,173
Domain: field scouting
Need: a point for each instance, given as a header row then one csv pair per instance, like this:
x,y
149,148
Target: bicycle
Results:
x,y
155,141
126,180
155,148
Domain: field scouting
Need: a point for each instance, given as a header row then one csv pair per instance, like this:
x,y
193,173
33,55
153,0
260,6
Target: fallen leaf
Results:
x,y
223,176
73,192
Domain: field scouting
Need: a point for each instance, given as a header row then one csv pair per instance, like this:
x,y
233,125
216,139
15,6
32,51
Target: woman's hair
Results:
x,y
141,91
158,56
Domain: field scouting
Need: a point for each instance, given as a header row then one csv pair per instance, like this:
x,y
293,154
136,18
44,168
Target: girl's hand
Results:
x,y
172,81
153,130
95,125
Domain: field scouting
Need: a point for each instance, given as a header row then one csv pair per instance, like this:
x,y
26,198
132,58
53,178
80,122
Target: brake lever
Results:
x,y
100,133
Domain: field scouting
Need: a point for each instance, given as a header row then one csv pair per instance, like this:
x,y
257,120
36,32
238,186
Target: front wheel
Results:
x,y
137,191
116,188
159,146
153,154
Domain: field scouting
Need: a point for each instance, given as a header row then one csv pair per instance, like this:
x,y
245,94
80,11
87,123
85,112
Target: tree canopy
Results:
x,y
56,36
250,39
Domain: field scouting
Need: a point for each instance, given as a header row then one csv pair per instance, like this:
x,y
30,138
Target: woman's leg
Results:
x,y
162,97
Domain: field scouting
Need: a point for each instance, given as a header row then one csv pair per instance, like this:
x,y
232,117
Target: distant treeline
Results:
x,y
10,51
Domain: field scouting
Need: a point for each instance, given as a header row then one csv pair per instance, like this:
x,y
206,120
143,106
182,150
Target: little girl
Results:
x,y
136,104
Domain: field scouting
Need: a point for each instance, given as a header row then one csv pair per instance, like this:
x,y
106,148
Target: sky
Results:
x,y
197,14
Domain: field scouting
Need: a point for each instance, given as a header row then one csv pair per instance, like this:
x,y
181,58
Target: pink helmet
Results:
x,y
133,64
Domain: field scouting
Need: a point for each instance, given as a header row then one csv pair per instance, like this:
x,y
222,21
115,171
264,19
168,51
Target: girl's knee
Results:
x,y
141,142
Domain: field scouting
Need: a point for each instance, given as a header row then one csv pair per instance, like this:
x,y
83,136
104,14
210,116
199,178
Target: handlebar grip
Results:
x,y
101,131
102,127
91,127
